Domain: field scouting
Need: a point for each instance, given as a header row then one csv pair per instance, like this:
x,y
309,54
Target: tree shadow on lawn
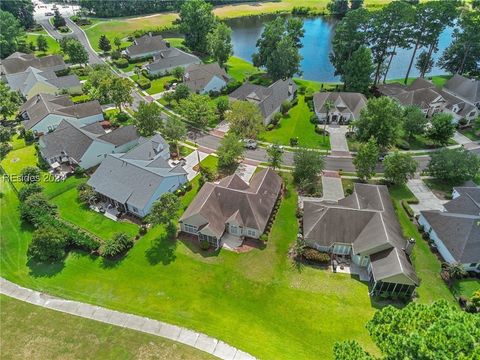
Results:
x,y
163,247
45,270
192,243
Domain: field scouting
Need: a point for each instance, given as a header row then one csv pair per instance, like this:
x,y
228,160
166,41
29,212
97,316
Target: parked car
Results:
x,y
250,144
48,13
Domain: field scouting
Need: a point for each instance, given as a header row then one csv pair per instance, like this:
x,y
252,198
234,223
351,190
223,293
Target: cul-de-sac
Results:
x,y
240,179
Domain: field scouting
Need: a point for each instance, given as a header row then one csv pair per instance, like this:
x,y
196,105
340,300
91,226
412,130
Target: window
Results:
x,y
190,228
473,265
251,233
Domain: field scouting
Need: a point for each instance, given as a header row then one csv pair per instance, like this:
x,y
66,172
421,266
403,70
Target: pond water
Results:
x,y
317,45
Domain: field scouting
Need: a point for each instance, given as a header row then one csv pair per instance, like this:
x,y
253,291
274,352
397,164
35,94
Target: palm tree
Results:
x,y
454,270
328,106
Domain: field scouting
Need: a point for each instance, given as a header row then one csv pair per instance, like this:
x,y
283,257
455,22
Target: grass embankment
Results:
x,y
29,331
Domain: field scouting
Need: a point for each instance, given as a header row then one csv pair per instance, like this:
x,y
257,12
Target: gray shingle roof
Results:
x,y
390,263
41,105
170,58
459,227
366,220
344,102
147,44
268,98
466,88
198,76
20,62
233,199
135,176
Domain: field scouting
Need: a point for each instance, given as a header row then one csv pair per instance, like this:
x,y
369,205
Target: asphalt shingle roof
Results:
x,y
344,102
147,44
172,57
198,76
20,62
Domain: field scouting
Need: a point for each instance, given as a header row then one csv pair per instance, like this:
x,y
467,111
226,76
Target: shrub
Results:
x,y
30,174
48,244
86,194
294,141
263,237
144,83
29,136
115,55
36,208
121,63
285,107
310,105
302,89
122,116
231,86
270,127
316,256
120,243
204,245
421,228
314,119
276,118
294,102
308,97
349,191
79,171
407,209
29,190
321,131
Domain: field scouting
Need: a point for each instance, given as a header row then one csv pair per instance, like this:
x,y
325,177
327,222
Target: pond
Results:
x,y
317,45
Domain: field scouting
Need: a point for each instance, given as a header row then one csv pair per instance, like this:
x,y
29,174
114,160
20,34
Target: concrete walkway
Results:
x,y
461,139
338,140
191,160
185,336
427,199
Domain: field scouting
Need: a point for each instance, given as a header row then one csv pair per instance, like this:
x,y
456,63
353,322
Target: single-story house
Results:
x,y
204,78
19,62
44,112
227,212
268,98
166,60
346,106
134,180
363,227
35,81
85,145
456,231
146,46
431,100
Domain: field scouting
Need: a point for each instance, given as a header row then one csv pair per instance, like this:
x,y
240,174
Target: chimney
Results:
x,y
409,246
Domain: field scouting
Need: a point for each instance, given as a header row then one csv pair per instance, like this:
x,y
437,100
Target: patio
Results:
x,y
344,265
60,171
106,209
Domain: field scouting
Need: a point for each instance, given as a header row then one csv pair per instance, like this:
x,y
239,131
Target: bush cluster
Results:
x,y
144,83
316,256
121,63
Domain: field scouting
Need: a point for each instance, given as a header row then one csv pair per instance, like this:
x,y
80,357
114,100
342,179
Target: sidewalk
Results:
x,y
185,336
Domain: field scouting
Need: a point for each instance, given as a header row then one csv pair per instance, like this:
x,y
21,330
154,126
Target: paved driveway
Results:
x,y
338,141
428,200
245,171
191,160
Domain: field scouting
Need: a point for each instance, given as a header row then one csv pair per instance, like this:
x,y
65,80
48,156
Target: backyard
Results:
x,y
29,331
297,125
53,45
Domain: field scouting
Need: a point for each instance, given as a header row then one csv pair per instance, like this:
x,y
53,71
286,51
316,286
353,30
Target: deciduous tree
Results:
x,y
9,101
175,130
399,167
199,110
120,92
47,245
441,128
358,71
380,119
245,119
181,92
42,43
74,50
165,210
21,10
308,167
229,152
220,43
196,22
366,160
10,35
414,121
275,155
148,118
338,8
453,166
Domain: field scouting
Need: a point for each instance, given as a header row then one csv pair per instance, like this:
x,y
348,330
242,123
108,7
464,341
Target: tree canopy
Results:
x,y
441,128
414,121
366,160
21,10
399,167
220,43
453,166
358,70
308,167
165,210
175,130
11,33
196,22
229,152
198,110
148,118
245,119
380,119
278,48
74,49
9,101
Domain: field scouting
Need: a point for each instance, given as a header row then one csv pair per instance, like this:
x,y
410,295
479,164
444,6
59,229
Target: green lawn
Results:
x,y
73,211
158,85
53,45
472,133
438,80
240,69
466,287
29,331
297,124
426,264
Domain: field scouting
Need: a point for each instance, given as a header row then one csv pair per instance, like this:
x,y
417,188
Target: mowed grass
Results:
x,y
53,45
296,124
32,332
256,301
466,287
426,264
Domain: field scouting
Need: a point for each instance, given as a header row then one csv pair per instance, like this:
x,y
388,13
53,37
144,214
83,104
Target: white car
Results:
x,y
250,144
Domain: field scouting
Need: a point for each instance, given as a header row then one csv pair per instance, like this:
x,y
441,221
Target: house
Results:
x,y
166,60
363,227
431,100
134,180
84,145
456,231
146,46
44,112
268,98
35,81
346,106
227,212
204,78
19,62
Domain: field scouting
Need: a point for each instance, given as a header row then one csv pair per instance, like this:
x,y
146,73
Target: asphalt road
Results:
x,y
93,58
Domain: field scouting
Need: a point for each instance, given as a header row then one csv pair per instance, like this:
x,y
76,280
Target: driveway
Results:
x,y
245,171
461,139
338,140
427,199
191,160
332,186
